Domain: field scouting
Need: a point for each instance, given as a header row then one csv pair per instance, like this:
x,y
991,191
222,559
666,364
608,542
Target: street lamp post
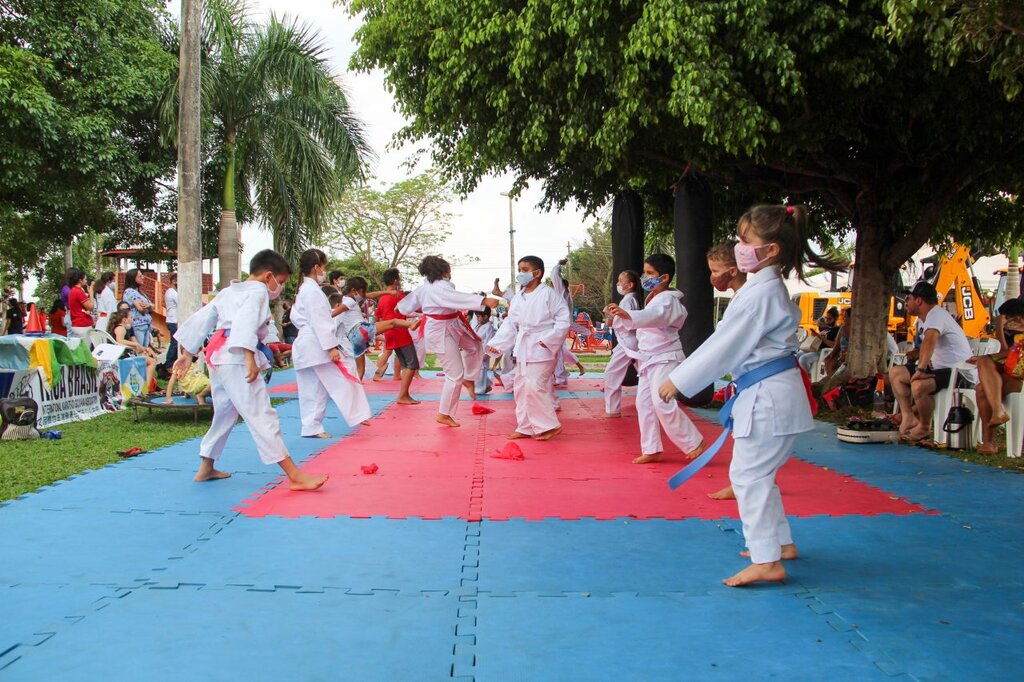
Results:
x,y
511,242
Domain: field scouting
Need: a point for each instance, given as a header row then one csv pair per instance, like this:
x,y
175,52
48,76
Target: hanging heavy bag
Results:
x,y
18,419
958,425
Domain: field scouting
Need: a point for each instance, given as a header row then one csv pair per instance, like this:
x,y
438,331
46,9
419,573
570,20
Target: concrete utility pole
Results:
x,y
511,243
190,267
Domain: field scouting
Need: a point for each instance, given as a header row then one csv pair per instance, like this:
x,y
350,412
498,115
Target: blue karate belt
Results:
x,y
744,382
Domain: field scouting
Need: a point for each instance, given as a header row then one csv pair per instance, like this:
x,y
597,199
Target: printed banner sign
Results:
x,y
75,396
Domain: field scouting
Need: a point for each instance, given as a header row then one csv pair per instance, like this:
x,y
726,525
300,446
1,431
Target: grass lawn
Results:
x,y
28,464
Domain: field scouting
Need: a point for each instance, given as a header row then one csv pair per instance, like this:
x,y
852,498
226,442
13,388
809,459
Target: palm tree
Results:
x,y
280,127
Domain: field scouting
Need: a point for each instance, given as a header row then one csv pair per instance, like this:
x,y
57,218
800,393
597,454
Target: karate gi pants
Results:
x,y
655,414
483,381
320,381
561,376
755,461
458,366
614,375
533,389
234,397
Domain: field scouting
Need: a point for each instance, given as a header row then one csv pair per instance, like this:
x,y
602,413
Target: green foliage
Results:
x,y
280,140
590,264
987,31
390,228
799,98
77,122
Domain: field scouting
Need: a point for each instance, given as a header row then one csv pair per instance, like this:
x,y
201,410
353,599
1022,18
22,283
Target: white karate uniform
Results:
x,y
486,332
758,326
658,351
618,365
316,375
534,331
243,308
447,337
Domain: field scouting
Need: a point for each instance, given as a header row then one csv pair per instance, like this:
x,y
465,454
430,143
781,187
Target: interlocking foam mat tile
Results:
x,y
585,472
191,633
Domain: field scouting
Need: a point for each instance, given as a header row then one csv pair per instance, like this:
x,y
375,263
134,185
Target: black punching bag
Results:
x,y
627,248
691,220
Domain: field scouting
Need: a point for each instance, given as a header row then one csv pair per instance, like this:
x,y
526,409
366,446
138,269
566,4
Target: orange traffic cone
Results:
x,y
35,322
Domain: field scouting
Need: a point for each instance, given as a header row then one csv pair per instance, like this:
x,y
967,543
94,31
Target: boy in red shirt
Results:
x,y
398,340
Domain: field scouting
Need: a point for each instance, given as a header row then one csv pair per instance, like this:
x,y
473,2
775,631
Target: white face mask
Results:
x,y
320,277
524,278
274,293
111,286
621,289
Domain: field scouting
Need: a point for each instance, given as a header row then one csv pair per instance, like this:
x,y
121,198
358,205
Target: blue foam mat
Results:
x,y
87,547
236,634
32,614
734,635
362,554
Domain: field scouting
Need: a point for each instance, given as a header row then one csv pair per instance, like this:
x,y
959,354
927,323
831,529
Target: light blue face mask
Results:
x,y
648,283
524,278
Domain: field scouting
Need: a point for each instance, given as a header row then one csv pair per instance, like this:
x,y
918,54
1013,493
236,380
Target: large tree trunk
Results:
x,y
228,248
190,253
69,260
627,236
872,294
693,228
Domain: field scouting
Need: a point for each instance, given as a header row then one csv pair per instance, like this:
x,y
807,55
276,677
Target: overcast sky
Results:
x,y
480,225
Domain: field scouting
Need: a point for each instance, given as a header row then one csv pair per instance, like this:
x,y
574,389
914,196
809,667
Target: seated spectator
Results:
x,y
945,346
15,318
996,373
118,327
56,317
828,332
840,344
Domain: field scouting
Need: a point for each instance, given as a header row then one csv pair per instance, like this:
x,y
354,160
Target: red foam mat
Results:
x,y
432,386
431,471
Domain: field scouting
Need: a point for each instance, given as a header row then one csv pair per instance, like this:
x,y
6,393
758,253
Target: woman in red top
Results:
x,y
57,312
79,304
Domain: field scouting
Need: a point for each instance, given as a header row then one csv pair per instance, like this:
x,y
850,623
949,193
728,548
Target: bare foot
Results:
x,y
304,481
446,420
999,419
515,435
169,401
366,423
200,401
695,453
407,400
208,473
549,434
988,449
609,415
908,424
648,459
725,493
378,377
788,553
470,388
322,434
758,573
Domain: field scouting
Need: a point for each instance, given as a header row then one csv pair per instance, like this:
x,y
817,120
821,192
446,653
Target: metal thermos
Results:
x,y
958,425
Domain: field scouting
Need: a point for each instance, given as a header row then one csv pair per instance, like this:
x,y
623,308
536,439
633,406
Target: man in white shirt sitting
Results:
x,y
945,346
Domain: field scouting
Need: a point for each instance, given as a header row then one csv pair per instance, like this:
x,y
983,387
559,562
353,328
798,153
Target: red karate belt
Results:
x,y
449,316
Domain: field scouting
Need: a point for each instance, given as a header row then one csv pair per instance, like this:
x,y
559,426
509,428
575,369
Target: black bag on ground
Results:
x,y
858,392
18,419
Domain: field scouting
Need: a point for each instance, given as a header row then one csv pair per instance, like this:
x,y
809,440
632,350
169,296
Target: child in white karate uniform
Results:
x,y
237,317
486,331
759,327
535,330
658,351
446,330
628,284
725,276
315,353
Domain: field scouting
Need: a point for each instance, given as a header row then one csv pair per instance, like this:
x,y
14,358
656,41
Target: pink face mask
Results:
x,y
746,257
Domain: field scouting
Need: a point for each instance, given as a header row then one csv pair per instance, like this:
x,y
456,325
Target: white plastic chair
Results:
x,y
1014,406
818,369
98,336
944,400
987,347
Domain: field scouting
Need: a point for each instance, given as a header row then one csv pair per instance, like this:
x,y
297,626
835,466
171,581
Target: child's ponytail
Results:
x,y
787,226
